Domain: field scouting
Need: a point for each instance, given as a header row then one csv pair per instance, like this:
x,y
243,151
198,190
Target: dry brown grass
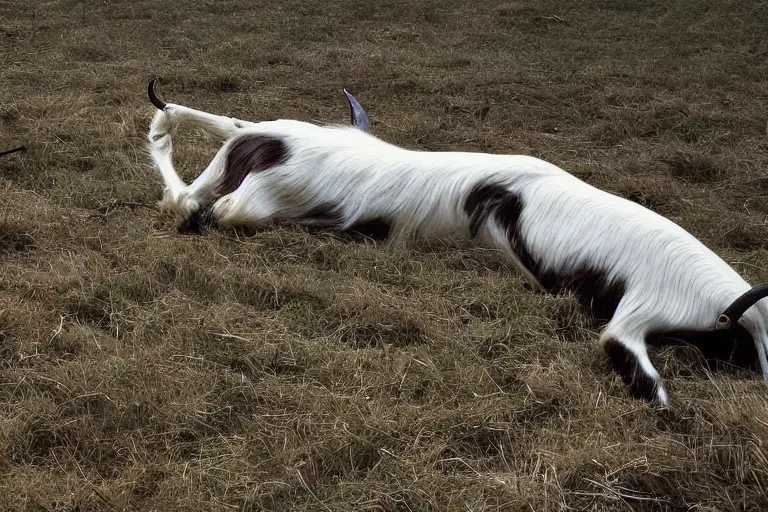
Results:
x,y
143,370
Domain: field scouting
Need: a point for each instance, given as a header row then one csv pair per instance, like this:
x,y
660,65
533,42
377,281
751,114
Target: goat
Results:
x,y
634,269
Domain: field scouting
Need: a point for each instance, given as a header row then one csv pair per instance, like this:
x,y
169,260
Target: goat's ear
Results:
x,y
357,115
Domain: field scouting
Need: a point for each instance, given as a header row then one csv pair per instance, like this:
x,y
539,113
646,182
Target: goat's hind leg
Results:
x,y
249,206
178,196
222,127
253,205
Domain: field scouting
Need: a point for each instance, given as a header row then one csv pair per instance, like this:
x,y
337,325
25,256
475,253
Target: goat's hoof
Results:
x,y
650,390
199,221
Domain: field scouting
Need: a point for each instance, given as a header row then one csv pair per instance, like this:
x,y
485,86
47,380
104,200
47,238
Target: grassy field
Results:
x,y
144,370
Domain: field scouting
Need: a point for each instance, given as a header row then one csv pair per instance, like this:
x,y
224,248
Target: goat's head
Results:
x,y
728,341
744,348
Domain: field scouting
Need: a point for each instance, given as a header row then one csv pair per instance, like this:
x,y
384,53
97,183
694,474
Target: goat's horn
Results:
x,y
737,308
13,150
153,97
357,115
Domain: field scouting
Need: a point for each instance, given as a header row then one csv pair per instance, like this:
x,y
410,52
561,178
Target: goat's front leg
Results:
x,y
177,195
628,354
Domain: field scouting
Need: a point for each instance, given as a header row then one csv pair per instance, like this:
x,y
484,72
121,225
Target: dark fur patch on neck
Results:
x,y
482,200
598,296
250,153
487,199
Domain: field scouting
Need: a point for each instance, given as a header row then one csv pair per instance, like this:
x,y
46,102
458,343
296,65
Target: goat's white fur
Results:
x,y
673,282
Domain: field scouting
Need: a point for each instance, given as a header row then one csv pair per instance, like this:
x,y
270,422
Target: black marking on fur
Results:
x,y
376,229
250,153
328,217
598,296
199,221
324,216
506,206
481,202
641,385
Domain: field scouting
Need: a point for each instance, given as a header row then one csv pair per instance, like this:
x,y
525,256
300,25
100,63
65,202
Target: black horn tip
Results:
x,y
153,97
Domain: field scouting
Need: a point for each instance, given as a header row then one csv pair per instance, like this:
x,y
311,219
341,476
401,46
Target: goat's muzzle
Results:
x,y
153,97
13,150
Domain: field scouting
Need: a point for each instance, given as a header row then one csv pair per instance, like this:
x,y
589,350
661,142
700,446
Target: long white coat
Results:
x,y
559,231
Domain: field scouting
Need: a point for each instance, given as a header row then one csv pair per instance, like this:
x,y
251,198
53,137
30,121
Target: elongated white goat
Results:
x,y
643,274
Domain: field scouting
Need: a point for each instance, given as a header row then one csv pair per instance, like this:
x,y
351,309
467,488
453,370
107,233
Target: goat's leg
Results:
x,y
249,205
222,127
178,196
252,204
161,149
628,354
499,237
